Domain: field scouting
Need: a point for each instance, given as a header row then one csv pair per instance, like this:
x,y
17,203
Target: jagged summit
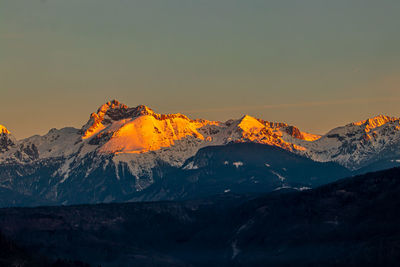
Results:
x,y
366,126
117,111
357,143
375,122
109,112
113,104
3,130
6,139
273,130
118,128
113,111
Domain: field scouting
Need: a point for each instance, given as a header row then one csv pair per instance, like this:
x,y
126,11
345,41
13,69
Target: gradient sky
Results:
x,y
316,64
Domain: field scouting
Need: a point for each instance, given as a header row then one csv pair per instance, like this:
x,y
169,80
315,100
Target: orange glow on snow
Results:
x,y
255,131
121,129
310,137
146,133
3,130
375,122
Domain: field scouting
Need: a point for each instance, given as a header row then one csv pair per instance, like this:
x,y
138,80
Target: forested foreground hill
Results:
x,y
12,254
354,221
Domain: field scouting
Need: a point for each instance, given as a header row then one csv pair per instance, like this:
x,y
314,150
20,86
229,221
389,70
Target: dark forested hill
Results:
x,y
354,221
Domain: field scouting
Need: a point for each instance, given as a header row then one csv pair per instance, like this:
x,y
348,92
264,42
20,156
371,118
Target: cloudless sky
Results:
x,y
313,63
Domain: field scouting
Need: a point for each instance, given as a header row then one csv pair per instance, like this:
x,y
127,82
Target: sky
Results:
x,y
316,64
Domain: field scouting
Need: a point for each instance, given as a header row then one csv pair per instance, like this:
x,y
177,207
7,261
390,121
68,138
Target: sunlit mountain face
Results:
x,y
121,129
133,153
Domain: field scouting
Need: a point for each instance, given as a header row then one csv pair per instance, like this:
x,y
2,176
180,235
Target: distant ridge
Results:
x,y
128,153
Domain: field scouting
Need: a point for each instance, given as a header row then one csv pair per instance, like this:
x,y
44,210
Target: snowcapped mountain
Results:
x,y
122,151
139,137
122,130
359,144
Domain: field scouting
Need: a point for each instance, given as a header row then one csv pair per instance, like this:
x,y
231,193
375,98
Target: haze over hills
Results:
x,y
128,154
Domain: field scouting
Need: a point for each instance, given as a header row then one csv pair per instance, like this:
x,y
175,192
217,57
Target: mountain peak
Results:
x,y
248,123
143,110
113,111
113,104
375,122
117,110
6,139
3,130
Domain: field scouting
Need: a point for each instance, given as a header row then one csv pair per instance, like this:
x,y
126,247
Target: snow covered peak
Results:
x,y
250,129
117,111
113,104
262,128
364,127
148,133
357,144
3,130
250,124
114,110
110,112
6,139
375,122
117,128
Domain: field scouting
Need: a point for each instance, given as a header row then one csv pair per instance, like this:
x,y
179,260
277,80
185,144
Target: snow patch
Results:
x,y
303,188
282,187
235,249
191,166
65,169
334,222
281,178
237,164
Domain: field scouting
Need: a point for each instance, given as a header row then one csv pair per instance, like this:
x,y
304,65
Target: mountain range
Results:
x,y
135,154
